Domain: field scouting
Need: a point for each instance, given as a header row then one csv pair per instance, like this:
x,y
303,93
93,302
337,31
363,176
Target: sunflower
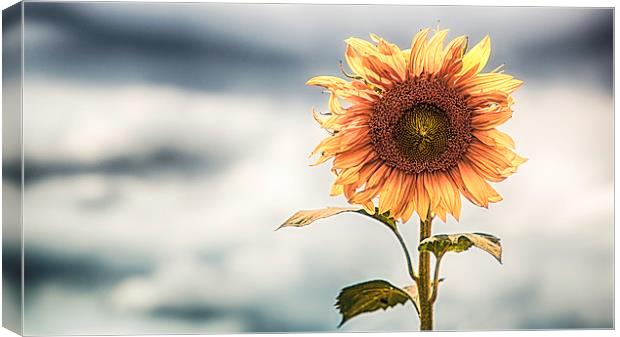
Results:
x,y
419,126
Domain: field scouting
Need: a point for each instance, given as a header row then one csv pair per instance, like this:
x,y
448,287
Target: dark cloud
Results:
x,y
571,55
191,313
143,51
252,319
11,267
139,46
11,38
44,266
159,161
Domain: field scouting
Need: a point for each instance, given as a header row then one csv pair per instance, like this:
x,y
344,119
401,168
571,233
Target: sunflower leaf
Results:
x,y
306,217
442,243
370,296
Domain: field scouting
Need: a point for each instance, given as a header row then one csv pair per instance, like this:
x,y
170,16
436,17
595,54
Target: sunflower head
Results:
x,y
419,126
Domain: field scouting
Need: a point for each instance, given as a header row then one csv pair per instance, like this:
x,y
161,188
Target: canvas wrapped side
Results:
x,y
12,168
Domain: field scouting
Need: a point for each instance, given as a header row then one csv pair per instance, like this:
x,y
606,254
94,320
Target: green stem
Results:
x,y
407,255
436,279
391,224
424,280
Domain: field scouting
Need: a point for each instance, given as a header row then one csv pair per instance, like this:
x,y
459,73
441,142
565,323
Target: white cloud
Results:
x,y
65,122
211,237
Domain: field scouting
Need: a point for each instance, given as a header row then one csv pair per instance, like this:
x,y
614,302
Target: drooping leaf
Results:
x,y
369,296
304,218
442,243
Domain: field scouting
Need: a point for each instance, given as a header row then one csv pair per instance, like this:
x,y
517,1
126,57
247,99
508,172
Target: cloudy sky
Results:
x,y
165,142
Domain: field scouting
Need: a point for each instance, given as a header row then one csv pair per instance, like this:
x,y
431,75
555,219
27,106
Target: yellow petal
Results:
x,y
328,122
369,207
335,106
478,56
347,90
335,190
486,82
327,81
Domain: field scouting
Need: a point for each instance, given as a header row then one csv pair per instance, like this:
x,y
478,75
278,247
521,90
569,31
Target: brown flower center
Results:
x,y
422,132
421,126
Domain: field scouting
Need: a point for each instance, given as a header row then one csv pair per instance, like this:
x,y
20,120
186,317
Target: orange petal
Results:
x,y
379,176
344,89
390,192
349,159
328,122
362,58
397,189
496,157
490,99
452,59
451,191
418,53
422,199
441,213
493,195
365,195
352,138
348,175
434,52
354,60
474,184
368,169
393,57
407,199
401,201
486,82
455,184
494,137
386,78
485,169
487,121
330,145
434,193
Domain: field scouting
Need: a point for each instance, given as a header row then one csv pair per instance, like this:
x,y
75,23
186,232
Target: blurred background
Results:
x,y
164,143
